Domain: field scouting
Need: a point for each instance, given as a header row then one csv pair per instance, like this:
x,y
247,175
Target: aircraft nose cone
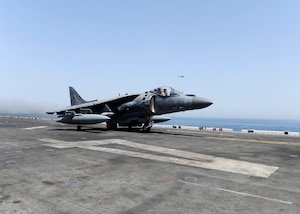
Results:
x,y
199,102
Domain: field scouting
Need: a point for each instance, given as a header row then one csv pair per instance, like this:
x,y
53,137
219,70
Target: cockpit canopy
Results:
x,y
166,91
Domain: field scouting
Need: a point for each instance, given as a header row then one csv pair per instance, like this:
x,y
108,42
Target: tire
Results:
x,y
111,126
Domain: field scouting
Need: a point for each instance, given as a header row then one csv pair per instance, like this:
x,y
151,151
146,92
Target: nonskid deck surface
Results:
x,y
46,167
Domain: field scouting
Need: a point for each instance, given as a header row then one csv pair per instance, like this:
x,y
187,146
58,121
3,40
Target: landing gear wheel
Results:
x,y
78,128
111,126
147,127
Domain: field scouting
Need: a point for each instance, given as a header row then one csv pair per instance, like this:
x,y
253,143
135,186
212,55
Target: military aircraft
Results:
x,y
129,110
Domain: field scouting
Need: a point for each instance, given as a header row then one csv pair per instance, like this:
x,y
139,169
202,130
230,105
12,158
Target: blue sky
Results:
x,y
243,55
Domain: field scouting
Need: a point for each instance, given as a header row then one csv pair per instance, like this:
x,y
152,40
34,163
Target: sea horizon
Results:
x,y
237,124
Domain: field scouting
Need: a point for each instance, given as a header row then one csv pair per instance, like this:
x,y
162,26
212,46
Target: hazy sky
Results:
x,y
243,55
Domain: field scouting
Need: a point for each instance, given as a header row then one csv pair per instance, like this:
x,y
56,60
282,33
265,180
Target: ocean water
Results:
x,y
235,124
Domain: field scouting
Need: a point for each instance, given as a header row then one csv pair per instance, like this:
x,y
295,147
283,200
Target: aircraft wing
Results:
x,y
98,107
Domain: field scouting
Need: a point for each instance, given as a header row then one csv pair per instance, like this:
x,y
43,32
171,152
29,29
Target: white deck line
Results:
x,y
35,127
182,157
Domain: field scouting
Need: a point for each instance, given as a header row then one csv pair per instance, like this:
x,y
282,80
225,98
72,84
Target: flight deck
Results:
x,y
48,167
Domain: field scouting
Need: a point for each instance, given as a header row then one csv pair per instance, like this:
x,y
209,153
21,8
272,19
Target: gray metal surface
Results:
x,y
51,168
129,110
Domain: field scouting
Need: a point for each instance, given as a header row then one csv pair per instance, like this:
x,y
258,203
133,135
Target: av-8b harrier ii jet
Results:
x,y
129,110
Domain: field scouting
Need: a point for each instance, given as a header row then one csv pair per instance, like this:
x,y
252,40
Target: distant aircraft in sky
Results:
x,y
129,110
181,76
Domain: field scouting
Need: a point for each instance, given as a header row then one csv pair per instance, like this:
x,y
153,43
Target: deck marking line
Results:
x,y
239,193
14,144
181,157
255,141
35,127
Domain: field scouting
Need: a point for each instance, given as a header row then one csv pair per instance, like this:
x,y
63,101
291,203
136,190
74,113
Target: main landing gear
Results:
x,y
147,126
111,126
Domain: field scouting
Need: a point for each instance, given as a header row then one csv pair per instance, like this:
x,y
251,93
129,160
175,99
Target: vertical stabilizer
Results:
x,y
75,98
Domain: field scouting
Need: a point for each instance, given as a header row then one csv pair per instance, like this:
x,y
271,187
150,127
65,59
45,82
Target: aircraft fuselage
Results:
x,y
130,110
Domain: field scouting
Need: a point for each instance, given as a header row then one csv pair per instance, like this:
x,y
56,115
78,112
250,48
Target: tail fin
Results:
x,y
76,99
